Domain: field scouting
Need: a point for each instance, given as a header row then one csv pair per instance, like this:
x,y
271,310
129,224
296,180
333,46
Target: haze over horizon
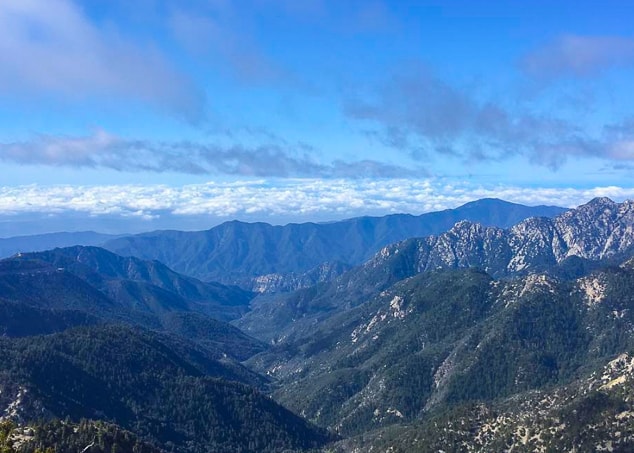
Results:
x,y
161,114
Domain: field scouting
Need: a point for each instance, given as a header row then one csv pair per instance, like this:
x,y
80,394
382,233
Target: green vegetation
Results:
x,y
448,338
105,353
162,389
63,436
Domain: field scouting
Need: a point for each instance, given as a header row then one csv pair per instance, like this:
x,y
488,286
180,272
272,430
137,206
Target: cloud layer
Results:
x,y
271,200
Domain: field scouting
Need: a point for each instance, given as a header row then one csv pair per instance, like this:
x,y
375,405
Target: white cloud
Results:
x,y
623,150
275,200
51,47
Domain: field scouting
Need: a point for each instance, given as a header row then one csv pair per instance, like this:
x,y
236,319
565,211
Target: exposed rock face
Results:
x,y
453,337
18,404
594,232
394,323
275,283
598,230
591,414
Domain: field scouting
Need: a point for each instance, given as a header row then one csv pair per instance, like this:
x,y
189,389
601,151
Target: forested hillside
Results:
x,y
476,339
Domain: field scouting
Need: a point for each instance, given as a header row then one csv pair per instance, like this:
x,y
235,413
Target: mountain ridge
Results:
x,y
453,337
449,337
235,251
164,390
62,288
110,272
598,230
39,242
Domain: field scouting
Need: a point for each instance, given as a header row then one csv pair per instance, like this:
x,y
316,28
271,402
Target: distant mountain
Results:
x,y
142,285
477,338
161,389
570,244
598,230
38,242
45,292
255,254
292,281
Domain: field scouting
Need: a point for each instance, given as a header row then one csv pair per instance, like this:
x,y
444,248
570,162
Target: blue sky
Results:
x,y
165,113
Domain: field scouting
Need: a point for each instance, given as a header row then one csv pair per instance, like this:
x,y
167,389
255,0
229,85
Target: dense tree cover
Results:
x,y
574,419
441,339
538,341
162,389
47,292
20,320
55,436
212,334
134,284
389,367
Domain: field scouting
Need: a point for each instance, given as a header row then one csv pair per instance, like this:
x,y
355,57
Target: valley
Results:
x,y
490,327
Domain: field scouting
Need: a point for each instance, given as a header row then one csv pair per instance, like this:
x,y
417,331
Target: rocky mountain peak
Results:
x,y
598,230
466,225
599,202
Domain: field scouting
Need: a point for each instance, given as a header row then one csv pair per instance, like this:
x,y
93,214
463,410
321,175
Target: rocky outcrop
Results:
x,y
599,230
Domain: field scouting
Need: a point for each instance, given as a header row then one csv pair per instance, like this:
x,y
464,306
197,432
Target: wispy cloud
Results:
x,y
104,150
578,56
227,36
50,47
220,37
419,113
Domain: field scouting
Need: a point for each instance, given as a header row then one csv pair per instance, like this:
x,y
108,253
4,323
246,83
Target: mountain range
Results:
x,y
416,347
89,336
567,245
475,338
81,285
267,258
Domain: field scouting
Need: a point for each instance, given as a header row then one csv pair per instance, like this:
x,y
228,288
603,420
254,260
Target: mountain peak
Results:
x,y
487,203
600,202
236,252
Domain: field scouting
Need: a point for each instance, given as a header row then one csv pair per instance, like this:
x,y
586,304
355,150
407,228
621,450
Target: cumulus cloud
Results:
x,y
418,112
104,150
51,47
275,200
578,56
131,208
